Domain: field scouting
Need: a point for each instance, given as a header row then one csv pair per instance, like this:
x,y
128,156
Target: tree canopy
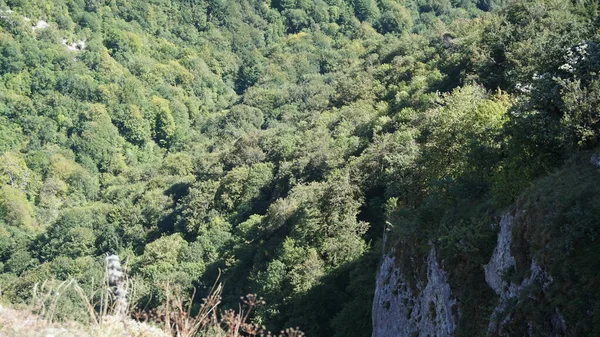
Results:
x,y
271,141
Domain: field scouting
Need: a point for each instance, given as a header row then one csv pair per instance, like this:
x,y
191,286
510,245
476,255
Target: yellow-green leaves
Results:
x,y
164,128
15,209
462,134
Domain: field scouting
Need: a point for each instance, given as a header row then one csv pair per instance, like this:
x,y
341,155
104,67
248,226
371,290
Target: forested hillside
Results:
x,y
273,142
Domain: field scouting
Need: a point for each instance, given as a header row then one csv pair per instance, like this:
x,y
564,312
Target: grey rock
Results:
x,y
399,310
495,276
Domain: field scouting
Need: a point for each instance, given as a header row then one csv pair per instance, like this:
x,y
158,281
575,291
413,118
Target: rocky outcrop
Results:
x,y
401,310
41,24
426,308
497,272
75,46
502,260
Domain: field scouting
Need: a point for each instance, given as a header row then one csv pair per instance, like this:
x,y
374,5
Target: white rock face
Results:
x,y
75,46
502,261
436,295
399,312
41,24
389,310
5,14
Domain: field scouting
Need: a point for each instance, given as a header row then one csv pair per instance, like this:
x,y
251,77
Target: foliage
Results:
x,y
273,142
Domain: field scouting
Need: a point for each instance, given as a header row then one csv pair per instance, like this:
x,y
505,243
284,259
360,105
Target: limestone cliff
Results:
x,y
398,310
497,270
430,310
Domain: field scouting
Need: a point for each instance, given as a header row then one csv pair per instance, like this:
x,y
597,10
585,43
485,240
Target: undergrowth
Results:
x,y
179,315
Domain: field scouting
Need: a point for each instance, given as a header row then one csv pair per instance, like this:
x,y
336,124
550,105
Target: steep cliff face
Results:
x,y
536,276
502,260
429,308
497,271
399,310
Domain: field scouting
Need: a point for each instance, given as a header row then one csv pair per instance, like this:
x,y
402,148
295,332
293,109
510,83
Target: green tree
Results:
x,y
134,127
366,10
99,140
15,209
164,127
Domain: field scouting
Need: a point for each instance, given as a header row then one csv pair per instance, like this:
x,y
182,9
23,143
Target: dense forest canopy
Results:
x,y
273,142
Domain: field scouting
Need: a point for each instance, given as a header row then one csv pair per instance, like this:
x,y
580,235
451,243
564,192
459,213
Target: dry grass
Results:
x,y
175,318
23,323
